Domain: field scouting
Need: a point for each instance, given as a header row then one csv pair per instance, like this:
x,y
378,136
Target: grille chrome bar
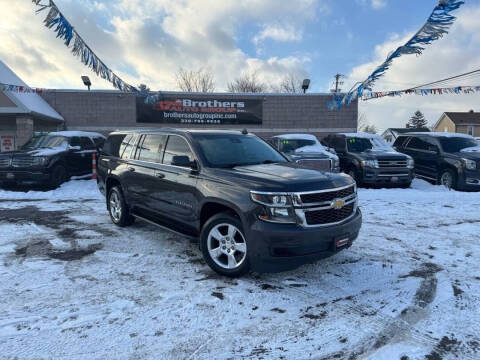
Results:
x,y
392,163
22,161
4,162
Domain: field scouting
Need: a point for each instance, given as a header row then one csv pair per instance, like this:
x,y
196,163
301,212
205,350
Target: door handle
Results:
x,y
131,169
160,175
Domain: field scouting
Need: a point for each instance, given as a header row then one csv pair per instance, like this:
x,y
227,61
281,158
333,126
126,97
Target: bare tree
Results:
x,y
290,84
247,83
200,80
363,125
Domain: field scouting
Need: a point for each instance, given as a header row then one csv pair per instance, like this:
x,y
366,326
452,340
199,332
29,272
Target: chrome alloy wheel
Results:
x,y
227,246
115,206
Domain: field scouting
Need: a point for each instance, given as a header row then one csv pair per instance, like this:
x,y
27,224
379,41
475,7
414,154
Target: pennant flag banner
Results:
x,y
21,89
437,91
436,26
65,31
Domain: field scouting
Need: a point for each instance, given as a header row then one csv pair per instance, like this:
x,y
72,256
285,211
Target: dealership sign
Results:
x,y
201,112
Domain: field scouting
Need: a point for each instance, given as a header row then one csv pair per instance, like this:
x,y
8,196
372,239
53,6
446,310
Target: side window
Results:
x,y
86,144
112,145
151,148
338,143
176,146
126,146
417,144
400,142
75,141
99,141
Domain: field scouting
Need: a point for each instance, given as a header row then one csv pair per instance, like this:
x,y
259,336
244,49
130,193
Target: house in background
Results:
x,y
22,114
391,134
459,122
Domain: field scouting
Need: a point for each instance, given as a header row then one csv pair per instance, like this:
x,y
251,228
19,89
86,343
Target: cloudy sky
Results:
x,y
147,41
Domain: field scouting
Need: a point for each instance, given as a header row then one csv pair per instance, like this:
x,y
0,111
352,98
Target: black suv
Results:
x,y
370,160
49,160
449,159
249,206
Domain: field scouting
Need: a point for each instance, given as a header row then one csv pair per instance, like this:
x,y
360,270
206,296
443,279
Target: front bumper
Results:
x,y
469,180
281,247
387,176
24,176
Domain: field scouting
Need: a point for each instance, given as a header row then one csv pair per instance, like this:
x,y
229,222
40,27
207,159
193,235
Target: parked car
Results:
x,y
477,139
306,150
450,159
370,160
49,160
249,206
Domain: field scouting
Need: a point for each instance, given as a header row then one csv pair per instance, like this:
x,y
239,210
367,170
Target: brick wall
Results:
x,y
106,111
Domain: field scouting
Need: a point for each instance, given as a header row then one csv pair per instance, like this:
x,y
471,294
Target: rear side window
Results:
x,y
126,146
99,141
151,148
176,146
338,143
86,144
418,144
113,143
400,142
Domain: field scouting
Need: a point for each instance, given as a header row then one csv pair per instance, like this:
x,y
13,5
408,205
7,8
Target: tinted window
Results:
x,y
126,146
229,150
359,144
400,141
112,145
418,144
176,146
455,144
337,143
151,148
86,144
99,141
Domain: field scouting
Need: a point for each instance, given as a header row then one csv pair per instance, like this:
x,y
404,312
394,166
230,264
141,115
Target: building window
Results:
x,y
445,129
470,130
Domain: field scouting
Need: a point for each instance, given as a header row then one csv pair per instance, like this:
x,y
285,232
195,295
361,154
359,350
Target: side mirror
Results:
x,y
184,161
74,147
433,149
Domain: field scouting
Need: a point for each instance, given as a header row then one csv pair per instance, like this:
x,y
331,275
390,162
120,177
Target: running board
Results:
x,y
191,238
425,177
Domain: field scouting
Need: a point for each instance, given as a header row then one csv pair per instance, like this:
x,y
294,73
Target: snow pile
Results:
x,y
72,190
89,134
49,151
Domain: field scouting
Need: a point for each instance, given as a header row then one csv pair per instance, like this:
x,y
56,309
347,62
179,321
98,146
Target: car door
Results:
x,y
176,189
75,158
87,148
145,163
418,148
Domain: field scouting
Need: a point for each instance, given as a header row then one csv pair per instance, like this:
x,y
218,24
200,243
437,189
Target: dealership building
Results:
x,y
21,115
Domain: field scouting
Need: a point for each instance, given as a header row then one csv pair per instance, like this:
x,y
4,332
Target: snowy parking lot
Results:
x,y
74,286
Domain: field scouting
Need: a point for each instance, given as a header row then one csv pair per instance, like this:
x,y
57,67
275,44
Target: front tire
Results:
x,y
448,179
117,208
224,245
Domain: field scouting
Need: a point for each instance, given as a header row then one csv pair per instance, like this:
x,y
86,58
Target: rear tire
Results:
x,y
118,209
224,245
448,178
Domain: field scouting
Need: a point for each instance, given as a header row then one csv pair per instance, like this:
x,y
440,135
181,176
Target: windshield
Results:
x,y
46,141
358,144
290,145
230,150
455,144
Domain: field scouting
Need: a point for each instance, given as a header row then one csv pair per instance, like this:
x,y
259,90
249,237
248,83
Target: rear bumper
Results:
x,y
281,247
387,176
24,177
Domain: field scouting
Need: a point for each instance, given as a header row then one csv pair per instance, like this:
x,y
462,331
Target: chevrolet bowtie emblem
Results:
x,y
338,204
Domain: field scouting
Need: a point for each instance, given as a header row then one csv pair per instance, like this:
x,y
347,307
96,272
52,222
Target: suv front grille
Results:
x,y
316,164
22,162
328,216
4,162
392,163
327,196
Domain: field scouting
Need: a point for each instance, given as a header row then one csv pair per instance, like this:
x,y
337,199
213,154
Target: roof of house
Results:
x,y
24,103
464,118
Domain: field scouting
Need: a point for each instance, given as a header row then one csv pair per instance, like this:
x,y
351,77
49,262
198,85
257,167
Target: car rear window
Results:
x,y
113,144
400,142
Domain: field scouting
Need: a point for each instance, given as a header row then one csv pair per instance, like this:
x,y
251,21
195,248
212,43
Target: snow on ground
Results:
x,y
74,286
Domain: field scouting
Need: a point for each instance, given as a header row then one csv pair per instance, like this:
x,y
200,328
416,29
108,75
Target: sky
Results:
x,y
148,41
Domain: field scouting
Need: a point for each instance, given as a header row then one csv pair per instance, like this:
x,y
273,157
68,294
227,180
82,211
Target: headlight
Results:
x,y
336,163
276,207
410,163
470,164
40,160
369,163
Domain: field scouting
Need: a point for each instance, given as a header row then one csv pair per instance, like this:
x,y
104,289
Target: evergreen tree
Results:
x,y
418,121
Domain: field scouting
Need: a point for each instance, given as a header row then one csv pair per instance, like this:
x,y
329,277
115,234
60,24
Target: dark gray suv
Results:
x,y
249,206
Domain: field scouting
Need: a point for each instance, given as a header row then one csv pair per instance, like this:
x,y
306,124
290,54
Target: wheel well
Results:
x,y
111,183
449,167
212,208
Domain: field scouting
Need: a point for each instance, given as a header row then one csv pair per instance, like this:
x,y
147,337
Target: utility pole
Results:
x,y
338,83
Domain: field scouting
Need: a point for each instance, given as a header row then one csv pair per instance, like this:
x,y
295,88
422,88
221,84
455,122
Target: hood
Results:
x,y
472,155
474,149
36,152
381,155
285,177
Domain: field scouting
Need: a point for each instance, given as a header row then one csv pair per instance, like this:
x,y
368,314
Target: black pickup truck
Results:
x,y
249,206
